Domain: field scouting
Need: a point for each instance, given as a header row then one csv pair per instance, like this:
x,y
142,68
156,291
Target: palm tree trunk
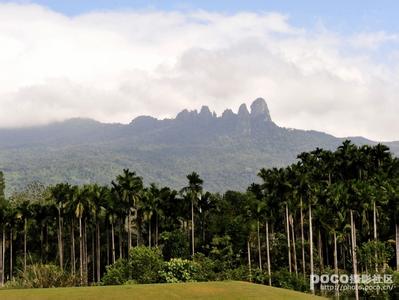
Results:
x,y
335,261
11,256
192,228
1,261
397,245
80,251
259,248
149,232
354,259
60,246
375,234
120,241
108,248
269,273
25,237
41,242
93,259
156,230
249,260
320,250
129,230
293,245
311,250
288,238
303,242
113,242
335,253
85,257
98,254
73,257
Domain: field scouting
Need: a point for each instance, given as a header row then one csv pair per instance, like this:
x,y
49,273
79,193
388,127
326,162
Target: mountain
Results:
x,y
226,150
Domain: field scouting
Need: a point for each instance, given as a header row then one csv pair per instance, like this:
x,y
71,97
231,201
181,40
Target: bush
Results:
x,y
43,276
179,270
205,268
222,253
145,264
142,266
241,273
175,245
117,273
287,280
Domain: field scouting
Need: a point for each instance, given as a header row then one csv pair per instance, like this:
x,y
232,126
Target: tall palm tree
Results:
x,y
3,209
81,203
148,201
98,198
193,191
258,211
113,211
61,195
130,186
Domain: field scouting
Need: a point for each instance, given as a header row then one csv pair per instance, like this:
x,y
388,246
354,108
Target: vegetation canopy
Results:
x,y
331,212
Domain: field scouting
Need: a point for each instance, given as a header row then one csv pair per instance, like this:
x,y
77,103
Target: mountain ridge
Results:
x,y
227,150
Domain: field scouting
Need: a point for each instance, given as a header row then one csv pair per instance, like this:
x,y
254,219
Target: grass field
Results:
x,y
206,290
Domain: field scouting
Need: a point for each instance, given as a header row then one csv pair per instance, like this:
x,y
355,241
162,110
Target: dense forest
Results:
x,y
334,212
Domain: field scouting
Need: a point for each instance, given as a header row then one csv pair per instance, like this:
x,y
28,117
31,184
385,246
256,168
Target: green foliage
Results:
x,y
142,266
117,273
175,245
240,273
222,253
179,270
287,280
145,264
205,268
43,276
375,252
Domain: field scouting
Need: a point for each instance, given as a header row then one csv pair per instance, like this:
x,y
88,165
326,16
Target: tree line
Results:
x,y
330,211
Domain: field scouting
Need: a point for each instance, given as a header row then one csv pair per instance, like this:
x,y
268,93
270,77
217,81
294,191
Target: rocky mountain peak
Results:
x,y
259,109
205,113
243,111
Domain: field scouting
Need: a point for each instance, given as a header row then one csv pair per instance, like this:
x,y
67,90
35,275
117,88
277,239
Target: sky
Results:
x,y
331,66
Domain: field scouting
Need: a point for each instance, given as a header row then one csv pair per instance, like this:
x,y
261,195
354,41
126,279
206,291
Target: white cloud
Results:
x,y
113,66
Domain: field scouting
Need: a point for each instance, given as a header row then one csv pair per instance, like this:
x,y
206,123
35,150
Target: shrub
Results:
x,y
142,266
287,280
117,273
175,245
205,268
241,273
179,270
43,276
145,264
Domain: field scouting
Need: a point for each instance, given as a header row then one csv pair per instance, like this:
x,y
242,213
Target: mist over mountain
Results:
x,y
226,150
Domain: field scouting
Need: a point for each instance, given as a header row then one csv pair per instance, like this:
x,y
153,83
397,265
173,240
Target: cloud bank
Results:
x,y
113,66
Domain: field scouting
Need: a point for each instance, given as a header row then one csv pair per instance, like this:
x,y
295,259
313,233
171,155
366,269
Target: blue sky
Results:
x,y
340,15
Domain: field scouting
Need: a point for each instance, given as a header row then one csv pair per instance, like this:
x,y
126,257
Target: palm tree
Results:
x,y
258,212
80,202
3,209
61,195
351,174
193,191
98,197
148,207
130,186
112,215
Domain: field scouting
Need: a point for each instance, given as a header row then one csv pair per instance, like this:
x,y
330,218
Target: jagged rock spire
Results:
x,y
259,109
243,111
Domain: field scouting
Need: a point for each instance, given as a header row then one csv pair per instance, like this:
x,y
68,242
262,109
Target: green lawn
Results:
x,y
206,290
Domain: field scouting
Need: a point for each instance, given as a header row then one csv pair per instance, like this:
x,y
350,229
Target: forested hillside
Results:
x,y
226,150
